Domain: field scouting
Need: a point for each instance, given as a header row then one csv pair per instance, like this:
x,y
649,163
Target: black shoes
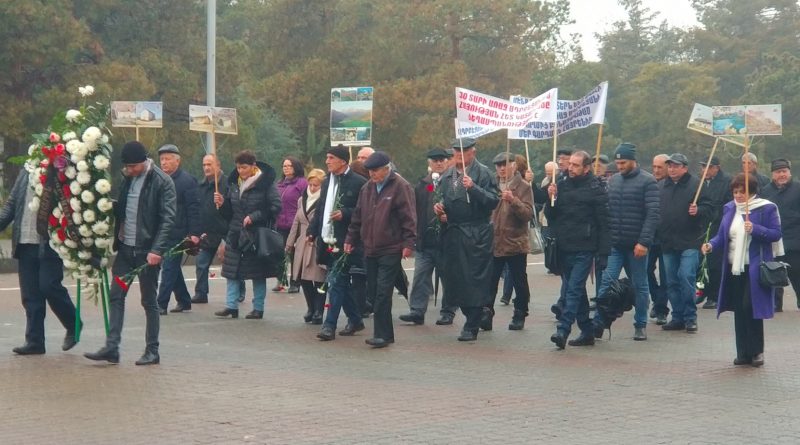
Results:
x,y
199,300
486,319
104,354
29,349
468,335
758,360
556,310
327,333
316,318
691,326
234,313
639,334
661,320
181,308
255,315
413,318
69,341
162,311
582,340
350,330
445,320
559,339
308,315
517,324
377,343
148,358
739,361
674,326
710,304
293,289
597,331
505,299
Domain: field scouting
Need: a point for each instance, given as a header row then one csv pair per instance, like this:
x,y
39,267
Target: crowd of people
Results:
x,y
467,226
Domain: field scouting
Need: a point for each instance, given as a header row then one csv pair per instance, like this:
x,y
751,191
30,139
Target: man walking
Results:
x,y
384,221
187,223
682,228
144,213
658,287
716,186
469,195
633,219
428,254
579,219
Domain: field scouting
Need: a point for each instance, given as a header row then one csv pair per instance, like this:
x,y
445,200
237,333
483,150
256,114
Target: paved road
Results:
x,y
270,381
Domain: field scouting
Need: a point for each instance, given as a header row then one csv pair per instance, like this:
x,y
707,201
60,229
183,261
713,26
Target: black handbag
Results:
x,y
773,273
269,244
551,255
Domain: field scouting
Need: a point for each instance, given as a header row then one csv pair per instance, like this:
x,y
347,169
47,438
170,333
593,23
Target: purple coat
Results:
x,y
766,230
290,191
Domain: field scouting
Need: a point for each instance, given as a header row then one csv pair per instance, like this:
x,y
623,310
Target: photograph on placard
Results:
x,y
225,120
149,114
764,120
200,118
728,121
123,114
351,116
701,119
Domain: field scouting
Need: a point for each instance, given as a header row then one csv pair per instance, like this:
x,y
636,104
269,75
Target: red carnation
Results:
x,y
430,188
62,177
42,179
54,137
121,283
64,222
62,235
53,221
59,150
67,192
329,249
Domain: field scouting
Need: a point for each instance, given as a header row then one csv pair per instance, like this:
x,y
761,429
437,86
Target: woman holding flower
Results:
x,y
750,232
304,265
251,202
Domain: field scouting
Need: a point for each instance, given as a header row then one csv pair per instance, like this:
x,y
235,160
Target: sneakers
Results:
x,y
710,304
661,320
639,334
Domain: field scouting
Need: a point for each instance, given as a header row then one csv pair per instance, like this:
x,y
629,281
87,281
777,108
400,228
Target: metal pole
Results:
x,y
211,62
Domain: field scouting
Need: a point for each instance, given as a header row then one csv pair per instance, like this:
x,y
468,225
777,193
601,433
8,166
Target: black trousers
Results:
x,y
711,290
517,265
749,331
40,285
382,272
473,315
793,258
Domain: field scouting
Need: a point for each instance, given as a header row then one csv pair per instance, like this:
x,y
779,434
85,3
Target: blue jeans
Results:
x,y
202,264
172,281
681,268
508,283
341,298
234,288
658,287
636,270
575,270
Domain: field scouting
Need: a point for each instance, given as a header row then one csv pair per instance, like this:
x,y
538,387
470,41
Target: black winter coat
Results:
x,y
633,204
678,230
261,203
187,216
212,222
579,218
788,201
718,191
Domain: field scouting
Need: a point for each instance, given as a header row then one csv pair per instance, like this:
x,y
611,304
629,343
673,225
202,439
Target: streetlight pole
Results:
x,y
211,60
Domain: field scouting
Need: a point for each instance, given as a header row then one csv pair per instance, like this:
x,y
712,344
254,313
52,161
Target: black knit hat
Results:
x,y
133,152
341,152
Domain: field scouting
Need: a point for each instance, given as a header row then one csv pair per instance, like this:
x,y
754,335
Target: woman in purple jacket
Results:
x,y
290,188
745,242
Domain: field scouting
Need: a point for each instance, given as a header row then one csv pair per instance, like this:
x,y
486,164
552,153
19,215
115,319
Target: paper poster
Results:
x,y
572,115
750,120
137,114
478,114
351,116
701,121
221,120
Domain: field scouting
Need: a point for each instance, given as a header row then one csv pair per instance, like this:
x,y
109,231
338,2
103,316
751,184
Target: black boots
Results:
x,y
233,313
486,319
517,321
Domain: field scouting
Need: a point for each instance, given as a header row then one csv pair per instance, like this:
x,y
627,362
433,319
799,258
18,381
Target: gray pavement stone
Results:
x,y
270,381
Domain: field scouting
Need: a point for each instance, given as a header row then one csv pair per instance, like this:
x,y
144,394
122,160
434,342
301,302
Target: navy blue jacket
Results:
x,y
187,218
633,205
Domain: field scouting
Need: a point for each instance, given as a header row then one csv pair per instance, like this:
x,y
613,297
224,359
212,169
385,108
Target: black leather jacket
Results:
x,y
12,213
156,214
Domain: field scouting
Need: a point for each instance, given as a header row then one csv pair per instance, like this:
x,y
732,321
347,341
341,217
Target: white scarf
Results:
x,y
311,199
249,182
327,224
742,239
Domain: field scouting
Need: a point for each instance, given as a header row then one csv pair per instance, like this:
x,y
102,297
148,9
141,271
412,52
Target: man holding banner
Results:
x,y
469,195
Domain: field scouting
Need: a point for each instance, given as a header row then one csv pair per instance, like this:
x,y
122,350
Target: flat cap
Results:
x,y
603,159
503,158
778,164
465,143
564,152
168,148
439,153
677,158
377,160
714,161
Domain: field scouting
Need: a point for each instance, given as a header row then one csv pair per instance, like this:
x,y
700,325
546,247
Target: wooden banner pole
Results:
x,y
747,179
555,158
597,152
705,171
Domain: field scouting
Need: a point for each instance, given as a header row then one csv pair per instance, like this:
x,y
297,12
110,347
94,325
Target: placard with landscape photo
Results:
x,y
200,118
149,114
123,114
351,116
224,120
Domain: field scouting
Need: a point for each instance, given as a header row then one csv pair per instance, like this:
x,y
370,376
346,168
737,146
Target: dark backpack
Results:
x,y
618,298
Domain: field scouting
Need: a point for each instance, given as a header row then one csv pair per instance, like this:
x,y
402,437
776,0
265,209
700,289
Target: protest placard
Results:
x,y
478,114
137,114
351,116
571,114
701,120
747,120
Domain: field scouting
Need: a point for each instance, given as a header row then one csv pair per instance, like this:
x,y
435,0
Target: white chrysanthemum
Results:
x,y
43,164
38,189
103,262
63,250
103,186
86,91
89,215
84,255
101,162
84,178
69,136
32,149
104,204
93,280
82,166
69,264
87,242
73,145
57,212
70,172
100,228
75,204
34,204
53,245
81,151
71,244
75,188
30,165
73,115
85,267
92,134
77,218
87,196
84,230
104,139
76,275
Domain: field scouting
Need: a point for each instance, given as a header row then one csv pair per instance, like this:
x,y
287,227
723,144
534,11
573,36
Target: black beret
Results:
x,y
340,152
377,160
133,152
